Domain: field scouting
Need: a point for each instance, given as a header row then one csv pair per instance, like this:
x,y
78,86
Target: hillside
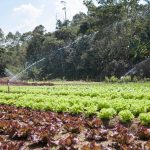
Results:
x,y
107,41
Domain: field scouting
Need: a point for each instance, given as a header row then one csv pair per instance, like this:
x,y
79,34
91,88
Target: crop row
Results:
x,y
105,100
112,91
102,109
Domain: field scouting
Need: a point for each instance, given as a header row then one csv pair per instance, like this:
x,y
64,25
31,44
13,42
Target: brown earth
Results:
x,y
5,81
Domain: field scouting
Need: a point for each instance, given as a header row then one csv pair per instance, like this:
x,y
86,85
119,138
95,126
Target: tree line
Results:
x,y
107,41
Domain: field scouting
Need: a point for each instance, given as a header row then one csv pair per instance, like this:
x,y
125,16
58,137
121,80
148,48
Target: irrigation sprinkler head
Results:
x,y
8,83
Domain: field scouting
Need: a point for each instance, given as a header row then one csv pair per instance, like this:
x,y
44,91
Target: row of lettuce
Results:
x,y
103,108
136,91
106,101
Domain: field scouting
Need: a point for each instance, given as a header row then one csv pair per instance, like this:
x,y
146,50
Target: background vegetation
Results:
x,y
107,41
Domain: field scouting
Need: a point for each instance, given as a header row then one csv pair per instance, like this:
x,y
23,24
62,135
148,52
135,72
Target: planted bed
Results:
x,y
93,116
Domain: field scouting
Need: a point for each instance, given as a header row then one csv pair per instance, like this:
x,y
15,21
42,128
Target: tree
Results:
x,y
39,30
84,27
59,24
17,36
1,36
64,34
2,62
9,36
26,37
78,18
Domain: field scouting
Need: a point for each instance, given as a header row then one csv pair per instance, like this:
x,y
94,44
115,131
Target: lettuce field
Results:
x,y
88,117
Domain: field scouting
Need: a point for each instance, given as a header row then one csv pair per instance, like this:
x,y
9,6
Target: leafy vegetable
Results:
x,y
145,118
107,113
125,115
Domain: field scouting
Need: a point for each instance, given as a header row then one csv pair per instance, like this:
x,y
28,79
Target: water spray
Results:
x,y
18,75
15,77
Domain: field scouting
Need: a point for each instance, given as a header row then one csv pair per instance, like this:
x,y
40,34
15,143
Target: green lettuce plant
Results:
x,y
145,118
107,113
125,115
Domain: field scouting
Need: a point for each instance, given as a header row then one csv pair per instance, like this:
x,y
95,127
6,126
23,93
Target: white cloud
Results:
x,y
28,10
27,16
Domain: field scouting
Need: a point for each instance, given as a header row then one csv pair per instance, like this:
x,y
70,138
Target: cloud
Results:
x,y
28,10
27,16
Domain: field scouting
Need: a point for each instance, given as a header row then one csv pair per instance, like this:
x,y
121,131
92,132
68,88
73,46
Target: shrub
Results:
x,y
146,79
106,79
107,113
113,79
126,79
126,115
135,79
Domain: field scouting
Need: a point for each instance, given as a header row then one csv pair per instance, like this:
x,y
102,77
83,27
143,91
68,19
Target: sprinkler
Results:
x,y
8,86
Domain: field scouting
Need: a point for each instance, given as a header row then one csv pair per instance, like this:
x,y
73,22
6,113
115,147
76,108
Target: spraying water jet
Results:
x,y
15,77
20,73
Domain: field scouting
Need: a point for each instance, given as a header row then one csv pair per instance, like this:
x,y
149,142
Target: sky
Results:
x,y
25,15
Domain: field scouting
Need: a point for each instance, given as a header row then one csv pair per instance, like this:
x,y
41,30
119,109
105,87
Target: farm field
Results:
x,y
93,116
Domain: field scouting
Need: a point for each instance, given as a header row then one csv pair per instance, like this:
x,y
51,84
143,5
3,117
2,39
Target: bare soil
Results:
x,y
21,83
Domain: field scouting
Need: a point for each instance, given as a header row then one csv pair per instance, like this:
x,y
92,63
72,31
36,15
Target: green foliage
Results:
x,y
65,34
125,115
145,118
64,107
111,79
138,108
60,24
103,104
108,41
103,100
126,79
91,110
146,79
76,108
78,18
120,105
107,113
135,79
107,79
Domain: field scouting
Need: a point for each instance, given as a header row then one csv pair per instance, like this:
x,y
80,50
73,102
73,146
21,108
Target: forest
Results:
x,y
108,41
